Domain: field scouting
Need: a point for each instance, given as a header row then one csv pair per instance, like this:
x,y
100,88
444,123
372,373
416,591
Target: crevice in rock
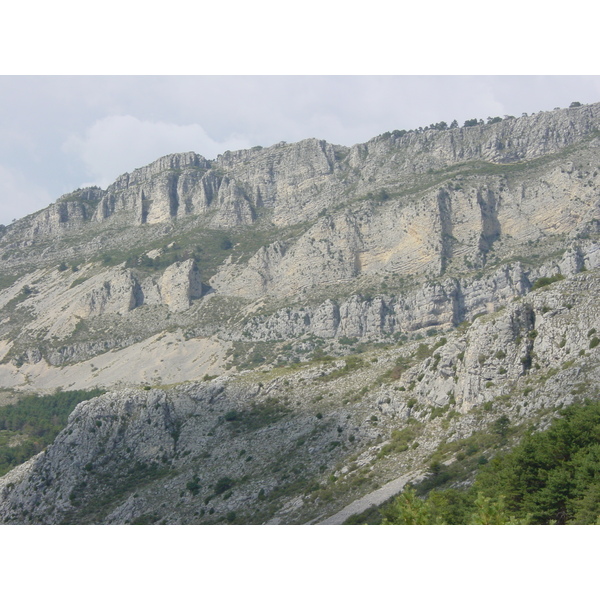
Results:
x,y
490,225
173,196
445,211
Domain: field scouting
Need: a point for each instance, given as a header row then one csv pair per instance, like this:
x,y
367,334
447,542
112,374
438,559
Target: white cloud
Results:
x,y
18,196
118,144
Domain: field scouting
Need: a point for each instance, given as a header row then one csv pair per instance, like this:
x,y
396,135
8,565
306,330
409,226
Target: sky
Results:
x,y
59,133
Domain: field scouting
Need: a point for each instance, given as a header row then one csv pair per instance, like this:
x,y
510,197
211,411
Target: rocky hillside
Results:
x,y
284,330
294,444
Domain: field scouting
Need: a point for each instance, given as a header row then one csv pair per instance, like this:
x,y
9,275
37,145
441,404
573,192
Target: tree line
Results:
x,y
550,477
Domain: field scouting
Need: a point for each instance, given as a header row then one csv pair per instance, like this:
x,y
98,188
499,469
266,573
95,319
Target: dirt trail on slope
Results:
x,y
373,499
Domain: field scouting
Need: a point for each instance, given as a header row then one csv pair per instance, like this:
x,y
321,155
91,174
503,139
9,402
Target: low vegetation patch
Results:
x,y
401,438
543,281
352,363
257,416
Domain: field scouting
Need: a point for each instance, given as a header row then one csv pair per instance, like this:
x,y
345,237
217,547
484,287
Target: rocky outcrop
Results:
x,y
453,229
509,141
60,303
69,212
465,262
444,304
180,284
367,242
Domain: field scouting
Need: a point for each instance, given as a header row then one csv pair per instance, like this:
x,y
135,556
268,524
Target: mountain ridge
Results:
x,y
554,130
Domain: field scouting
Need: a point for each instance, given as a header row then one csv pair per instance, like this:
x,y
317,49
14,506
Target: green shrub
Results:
x,y
351,364
147,519
423,352
501,426
552,475
401,438
543,281
193,486
78,281
257,416
231,415
441,342
224,484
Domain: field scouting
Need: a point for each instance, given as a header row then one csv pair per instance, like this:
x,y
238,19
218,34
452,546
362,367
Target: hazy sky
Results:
x,y
58,133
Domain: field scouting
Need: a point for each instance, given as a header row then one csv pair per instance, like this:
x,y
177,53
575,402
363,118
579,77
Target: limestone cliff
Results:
x,y
426,282
295,182
408,231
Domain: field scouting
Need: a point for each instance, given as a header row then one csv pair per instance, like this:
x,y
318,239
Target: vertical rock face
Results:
x,y
287,179
69,212
326,319
153,194
180,284
328,253
232,206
